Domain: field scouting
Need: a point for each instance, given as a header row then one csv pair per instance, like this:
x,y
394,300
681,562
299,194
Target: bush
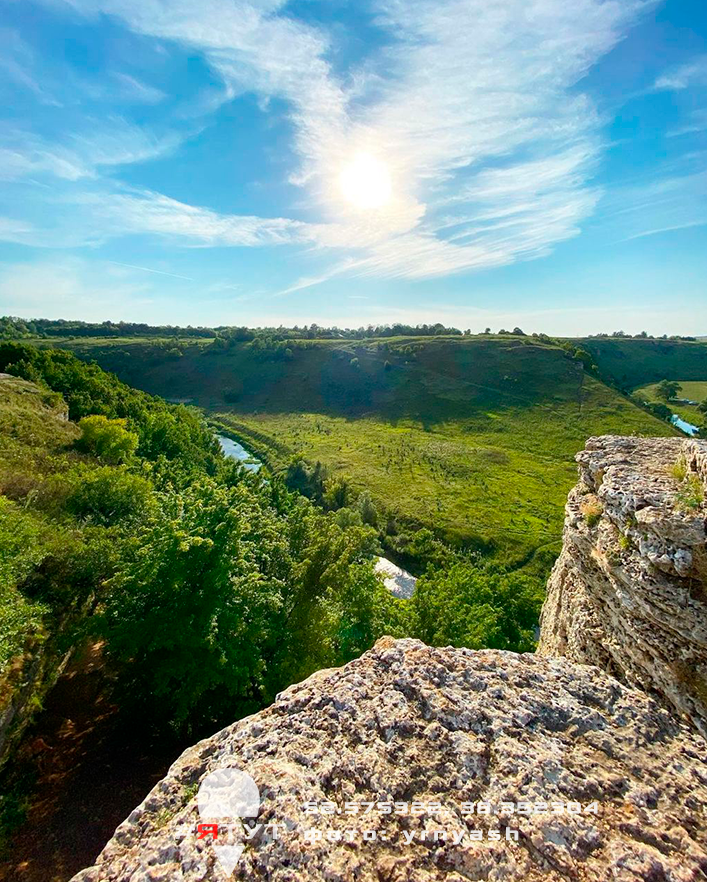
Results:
x,y
691,494
106,439
369,514
108,495
678,469
337,493
21,549
469,605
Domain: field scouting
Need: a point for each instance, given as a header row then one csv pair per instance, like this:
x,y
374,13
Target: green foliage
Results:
x,y
691,494
21,549
367,510
227,600
667,389
171,432
108,495
305,478
469,605
106,439
337,493
678,469
361,610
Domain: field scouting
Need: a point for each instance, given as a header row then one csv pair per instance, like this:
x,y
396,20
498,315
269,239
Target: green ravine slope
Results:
x,y
473,437
634,362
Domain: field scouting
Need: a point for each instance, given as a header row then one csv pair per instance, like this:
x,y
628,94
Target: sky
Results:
x,y
540,163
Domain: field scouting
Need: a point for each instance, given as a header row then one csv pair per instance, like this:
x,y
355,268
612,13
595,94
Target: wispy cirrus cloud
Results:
x,y
475,107
683,76
80,154
78,217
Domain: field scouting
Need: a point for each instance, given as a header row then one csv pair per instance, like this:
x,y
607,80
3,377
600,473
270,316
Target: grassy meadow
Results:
x,y
691,389
631,362
473,437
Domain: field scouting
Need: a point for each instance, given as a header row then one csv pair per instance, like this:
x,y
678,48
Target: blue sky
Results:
x,y
532,162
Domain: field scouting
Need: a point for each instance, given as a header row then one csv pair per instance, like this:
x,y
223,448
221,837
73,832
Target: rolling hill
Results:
x,y
473,437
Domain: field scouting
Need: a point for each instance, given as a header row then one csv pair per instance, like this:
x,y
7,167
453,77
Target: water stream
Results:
x,y
684,426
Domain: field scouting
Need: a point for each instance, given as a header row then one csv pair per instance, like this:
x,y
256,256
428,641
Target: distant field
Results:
x,y
692,389
474,437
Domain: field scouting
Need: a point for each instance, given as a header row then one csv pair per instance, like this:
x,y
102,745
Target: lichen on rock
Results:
x,y
407,723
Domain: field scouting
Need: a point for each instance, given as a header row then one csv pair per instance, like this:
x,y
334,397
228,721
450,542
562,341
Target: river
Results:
x,y
684,426
234,450
397,580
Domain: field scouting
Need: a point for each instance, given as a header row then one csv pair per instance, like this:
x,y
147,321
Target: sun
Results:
x,y
365,182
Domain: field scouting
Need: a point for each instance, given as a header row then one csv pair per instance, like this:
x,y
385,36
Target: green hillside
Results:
x,y
473,437
631,362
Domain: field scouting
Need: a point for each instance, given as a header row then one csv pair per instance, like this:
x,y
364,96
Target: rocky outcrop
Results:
x,y
446,753
629,591
416,764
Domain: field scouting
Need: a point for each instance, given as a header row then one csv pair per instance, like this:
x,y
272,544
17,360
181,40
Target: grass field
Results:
x,y
474,437
497,479
692,389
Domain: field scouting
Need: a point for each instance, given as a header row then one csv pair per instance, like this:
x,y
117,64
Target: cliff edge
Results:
x,y
419,764
629,591
444,753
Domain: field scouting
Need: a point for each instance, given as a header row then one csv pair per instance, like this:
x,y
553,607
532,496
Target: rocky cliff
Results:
x,y
445,753
629,591
418,764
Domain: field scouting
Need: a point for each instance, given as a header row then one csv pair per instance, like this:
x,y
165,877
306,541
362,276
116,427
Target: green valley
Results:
x,y
473,437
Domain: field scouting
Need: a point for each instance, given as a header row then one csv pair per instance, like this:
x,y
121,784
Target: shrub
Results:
x,y
690,495
108,495
369,514
679,469
109,440
337,493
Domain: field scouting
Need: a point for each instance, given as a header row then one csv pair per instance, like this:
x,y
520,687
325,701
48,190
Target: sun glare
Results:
x,y
365,182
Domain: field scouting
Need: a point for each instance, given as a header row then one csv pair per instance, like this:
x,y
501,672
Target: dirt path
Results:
x,y
92,766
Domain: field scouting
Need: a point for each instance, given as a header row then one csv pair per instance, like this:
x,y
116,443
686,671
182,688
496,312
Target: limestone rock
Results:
x,y
628,592
407,723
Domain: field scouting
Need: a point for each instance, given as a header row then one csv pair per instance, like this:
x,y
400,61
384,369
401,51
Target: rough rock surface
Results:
x,y
406,723
629,591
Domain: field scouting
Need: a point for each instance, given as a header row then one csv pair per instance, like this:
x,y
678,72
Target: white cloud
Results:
x,y
105,144
147,212
474,106
75,217
696,122
693,73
